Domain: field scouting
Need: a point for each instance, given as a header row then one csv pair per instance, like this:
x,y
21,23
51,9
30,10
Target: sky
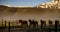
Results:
x,y
23,2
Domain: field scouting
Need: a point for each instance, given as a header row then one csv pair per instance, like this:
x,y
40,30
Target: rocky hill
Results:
x,y
51,4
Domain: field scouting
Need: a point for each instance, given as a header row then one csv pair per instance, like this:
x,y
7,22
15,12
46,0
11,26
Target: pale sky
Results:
x,y
22,2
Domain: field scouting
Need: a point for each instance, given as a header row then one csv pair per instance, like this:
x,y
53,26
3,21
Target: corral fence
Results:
x,y
42,28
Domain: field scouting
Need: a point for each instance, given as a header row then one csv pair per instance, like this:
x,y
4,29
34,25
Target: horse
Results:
x,y
50,22
33,23
43,23
23,23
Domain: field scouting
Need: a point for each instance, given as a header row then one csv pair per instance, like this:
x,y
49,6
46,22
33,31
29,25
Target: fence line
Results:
x,y
31,28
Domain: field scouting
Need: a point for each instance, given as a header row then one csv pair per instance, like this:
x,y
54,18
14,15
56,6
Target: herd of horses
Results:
x,y
35,23
30,22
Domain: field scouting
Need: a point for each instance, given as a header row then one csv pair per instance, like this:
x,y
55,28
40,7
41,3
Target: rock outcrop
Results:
x,y
52,4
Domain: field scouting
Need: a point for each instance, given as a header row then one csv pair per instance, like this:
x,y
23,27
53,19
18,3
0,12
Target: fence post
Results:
x,y
56,25
2,22
9,27
2,25
5,23
50,23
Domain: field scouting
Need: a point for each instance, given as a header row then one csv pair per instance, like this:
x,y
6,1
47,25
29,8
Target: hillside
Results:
x,y
13,13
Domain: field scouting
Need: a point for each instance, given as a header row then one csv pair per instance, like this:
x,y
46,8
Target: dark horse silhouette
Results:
x,y
34,23
43,23
23,22
56,25
50,22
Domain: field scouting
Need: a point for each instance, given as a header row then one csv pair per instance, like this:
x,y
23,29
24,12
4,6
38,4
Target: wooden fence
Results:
x,y
31,28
